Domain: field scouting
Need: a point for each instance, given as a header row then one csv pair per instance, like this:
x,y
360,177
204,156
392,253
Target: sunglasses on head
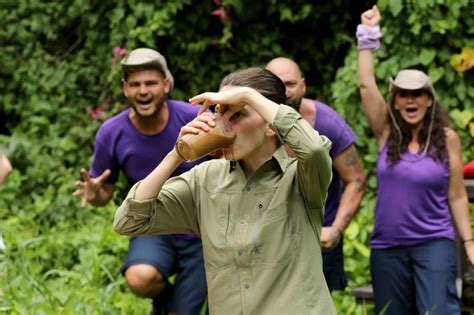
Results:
x,y
412,93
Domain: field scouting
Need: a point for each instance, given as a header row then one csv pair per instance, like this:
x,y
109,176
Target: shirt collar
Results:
x,y
280,156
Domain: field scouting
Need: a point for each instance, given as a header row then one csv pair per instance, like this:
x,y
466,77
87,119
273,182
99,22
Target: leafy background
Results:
x,y
60,79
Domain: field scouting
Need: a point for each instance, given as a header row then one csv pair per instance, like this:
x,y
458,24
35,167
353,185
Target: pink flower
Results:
x,y
101,111
120,52
96,114
222,14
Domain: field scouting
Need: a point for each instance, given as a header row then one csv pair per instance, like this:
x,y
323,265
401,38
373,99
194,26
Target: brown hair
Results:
x,y
260,79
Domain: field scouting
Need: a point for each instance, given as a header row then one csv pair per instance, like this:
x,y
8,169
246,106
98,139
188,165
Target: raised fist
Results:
x,y
371,17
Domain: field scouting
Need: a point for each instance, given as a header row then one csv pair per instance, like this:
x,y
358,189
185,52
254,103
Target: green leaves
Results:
x,y
287,13
462,118
435,73
427,56
395,7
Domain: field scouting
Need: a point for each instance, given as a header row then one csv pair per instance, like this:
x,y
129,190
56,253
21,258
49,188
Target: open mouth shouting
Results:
x,y
144,104
411,112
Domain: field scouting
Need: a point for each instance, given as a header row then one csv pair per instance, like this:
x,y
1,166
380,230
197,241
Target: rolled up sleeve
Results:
x,y
312,153
172,212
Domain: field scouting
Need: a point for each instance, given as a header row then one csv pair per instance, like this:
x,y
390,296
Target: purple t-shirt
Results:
x,y
412,201
332,125
119,146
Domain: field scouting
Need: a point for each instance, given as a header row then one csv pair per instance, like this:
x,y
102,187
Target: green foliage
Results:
x,y
59,78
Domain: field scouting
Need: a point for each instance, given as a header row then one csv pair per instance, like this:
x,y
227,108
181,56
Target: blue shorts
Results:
x,y
173,254
333,268
417,279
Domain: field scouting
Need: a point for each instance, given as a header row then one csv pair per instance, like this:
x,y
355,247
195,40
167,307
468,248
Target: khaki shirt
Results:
x,y
261,237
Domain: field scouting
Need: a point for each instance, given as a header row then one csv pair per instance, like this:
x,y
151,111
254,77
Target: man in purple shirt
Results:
x,y
134,142
347,187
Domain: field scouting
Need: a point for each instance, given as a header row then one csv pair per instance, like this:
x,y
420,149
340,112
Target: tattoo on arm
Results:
x,y
350,159
359,185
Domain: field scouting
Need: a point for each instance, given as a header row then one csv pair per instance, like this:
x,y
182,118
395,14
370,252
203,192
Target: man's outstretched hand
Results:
x,y
88,189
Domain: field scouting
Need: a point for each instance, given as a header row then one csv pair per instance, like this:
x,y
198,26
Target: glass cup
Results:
x,y
194,146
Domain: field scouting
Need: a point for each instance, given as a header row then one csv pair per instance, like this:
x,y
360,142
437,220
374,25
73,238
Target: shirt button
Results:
x,y
260,206
248,188
247,286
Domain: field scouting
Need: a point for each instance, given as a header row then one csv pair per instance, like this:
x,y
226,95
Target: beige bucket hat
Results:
x,y
146,58
411,79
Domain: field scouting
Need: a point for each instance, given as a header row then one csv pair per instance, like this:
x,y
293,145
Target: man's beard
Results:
x,y
294,102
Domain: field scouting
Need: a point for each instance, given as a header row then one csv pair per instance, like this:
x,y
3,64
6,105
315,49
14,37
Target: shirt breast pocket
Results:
x,y
274,237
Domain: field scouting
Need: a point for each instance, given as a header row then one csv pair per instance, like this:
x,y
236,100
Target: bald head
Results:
x,y
289,72
283,64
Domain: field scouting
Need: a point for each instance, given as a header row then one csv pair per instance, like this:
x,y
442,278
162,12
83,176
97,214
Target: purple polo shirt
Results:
x,y
332,125
119,146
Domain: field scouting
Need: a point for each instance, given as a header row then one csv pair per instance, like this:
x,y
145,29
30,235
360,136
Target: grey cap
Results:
x,y
146,58
412,79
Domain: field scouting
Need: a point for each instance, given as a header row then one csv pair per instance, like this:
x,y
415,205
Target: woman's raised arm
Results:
x,y
375,107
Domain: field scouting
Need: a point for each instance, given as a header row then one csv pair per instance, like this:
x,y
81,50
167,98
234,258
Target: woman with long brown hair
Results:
x,y
420,189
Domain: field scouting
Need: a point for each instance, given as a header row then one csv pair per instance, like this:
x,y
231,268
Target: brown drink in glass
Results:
x,y
194,146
